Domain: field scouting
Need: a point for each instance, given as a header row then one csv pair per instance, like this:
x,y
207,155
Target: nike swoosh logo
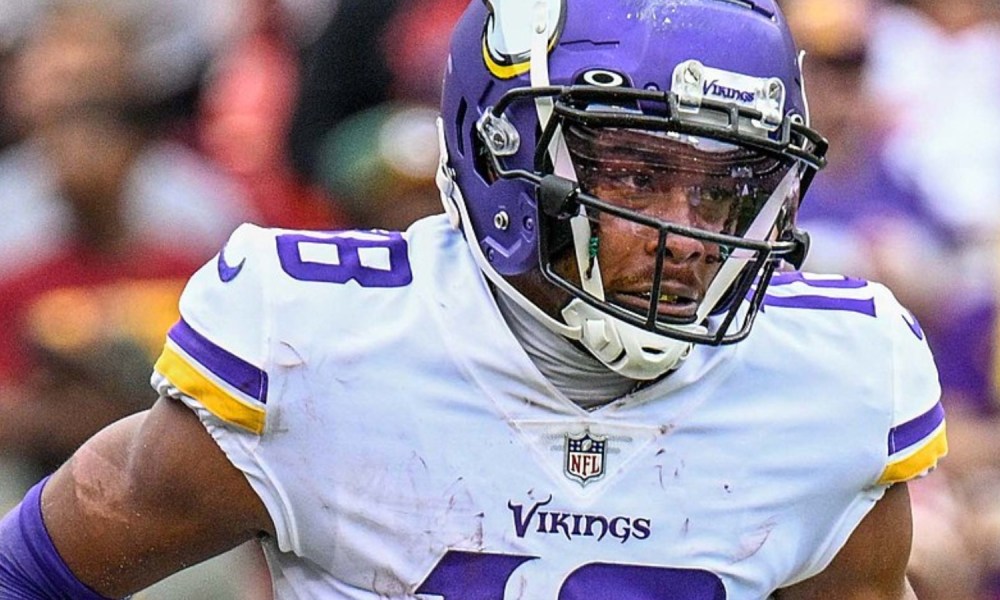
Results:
x,y
228,272
914,325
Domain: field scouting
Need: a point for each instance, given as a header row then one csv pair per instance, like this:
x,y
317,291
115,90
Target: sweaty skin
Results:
x,y
626,253
146,497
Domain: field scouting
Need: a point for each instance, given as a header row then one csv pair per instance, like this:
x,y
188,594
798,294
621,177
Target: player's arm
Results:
x,y
144,498
872,564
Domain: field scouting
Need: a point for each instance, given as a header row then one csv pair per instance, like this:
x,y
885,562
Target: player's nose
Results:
x,y
679,248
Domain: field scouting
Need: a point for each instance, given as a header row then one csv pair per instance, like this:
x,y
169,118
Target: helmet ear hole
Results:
x,y
483,161
463,108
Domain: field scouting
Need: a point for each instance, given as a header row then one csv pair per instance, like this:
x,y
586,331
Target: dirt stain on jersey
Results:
x,y
751,543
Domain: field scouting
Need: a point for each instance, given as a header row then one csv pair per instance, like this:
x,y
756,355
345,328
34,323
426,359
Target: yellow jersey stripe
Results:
x,y
217,400
919,462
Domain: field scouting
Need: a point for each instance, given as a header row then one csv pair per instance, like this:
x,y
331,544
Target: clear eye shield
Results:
x,y
695,198
718,186
638,156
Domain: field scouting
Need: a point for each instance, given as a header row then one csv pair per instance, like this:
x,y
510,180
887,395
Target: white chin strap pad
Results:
x,y
624,348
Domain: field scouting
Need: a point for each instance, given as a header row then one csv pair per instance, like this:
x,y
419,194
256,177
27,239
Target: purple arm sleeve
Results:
x,y
30,565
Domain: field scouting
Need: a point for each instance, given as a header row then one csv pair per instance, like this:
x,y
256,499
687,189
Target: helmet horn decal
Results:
x,y
509,33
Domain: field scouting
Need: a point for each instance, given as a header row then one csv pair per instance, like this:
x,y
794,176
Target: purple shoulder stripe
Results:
x,y
227,366
909,433
865,306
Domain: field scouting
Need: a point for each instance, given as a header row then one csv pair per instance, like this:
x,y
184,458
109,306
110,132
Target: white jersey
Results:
x,y
405,445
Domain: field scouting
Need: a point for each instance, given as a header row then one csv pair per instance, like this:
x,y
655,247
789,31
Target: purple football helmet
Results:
x,y
537,95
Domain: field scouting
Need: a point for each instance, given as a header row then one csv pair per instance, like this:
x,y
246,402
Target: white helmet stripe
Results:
x,y
759,229
540,78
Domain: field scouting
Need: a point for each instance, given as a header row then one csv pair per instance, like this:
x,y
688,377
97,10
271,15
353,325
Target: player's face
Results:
x,y
627,251
690,182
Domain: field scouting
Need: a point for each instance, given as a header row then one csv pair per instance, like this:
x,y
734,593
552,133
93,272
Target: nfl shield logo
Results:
x,y
585,454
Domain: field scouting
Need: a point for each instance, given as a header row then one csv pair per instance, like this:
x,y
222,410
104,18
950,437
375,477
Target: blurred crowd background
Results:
x,y
136,134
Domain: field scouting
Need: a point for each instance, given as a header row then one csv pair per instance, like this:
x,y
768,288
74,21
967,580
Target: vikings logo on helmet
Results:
x,y
509,32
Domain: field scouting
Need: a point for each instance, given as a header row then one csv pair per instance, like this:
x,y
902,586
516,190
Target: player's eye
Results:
x,y
618,180
640,182
712,204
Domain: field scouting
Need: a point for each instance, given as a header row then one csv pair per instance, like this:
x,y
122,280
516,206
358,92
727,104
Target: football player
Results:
x,y
595,376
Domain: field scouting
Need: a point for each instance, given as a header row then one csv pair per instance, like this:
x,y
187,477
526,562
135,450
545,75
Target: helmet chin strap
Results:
x,y
458,216
759,229
624,348
635,352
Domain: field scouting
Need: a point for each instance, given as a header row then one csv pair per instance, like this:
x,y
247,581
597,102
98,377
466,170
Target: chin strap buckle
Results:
x,y
557,197
798,256
444,177
626,349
